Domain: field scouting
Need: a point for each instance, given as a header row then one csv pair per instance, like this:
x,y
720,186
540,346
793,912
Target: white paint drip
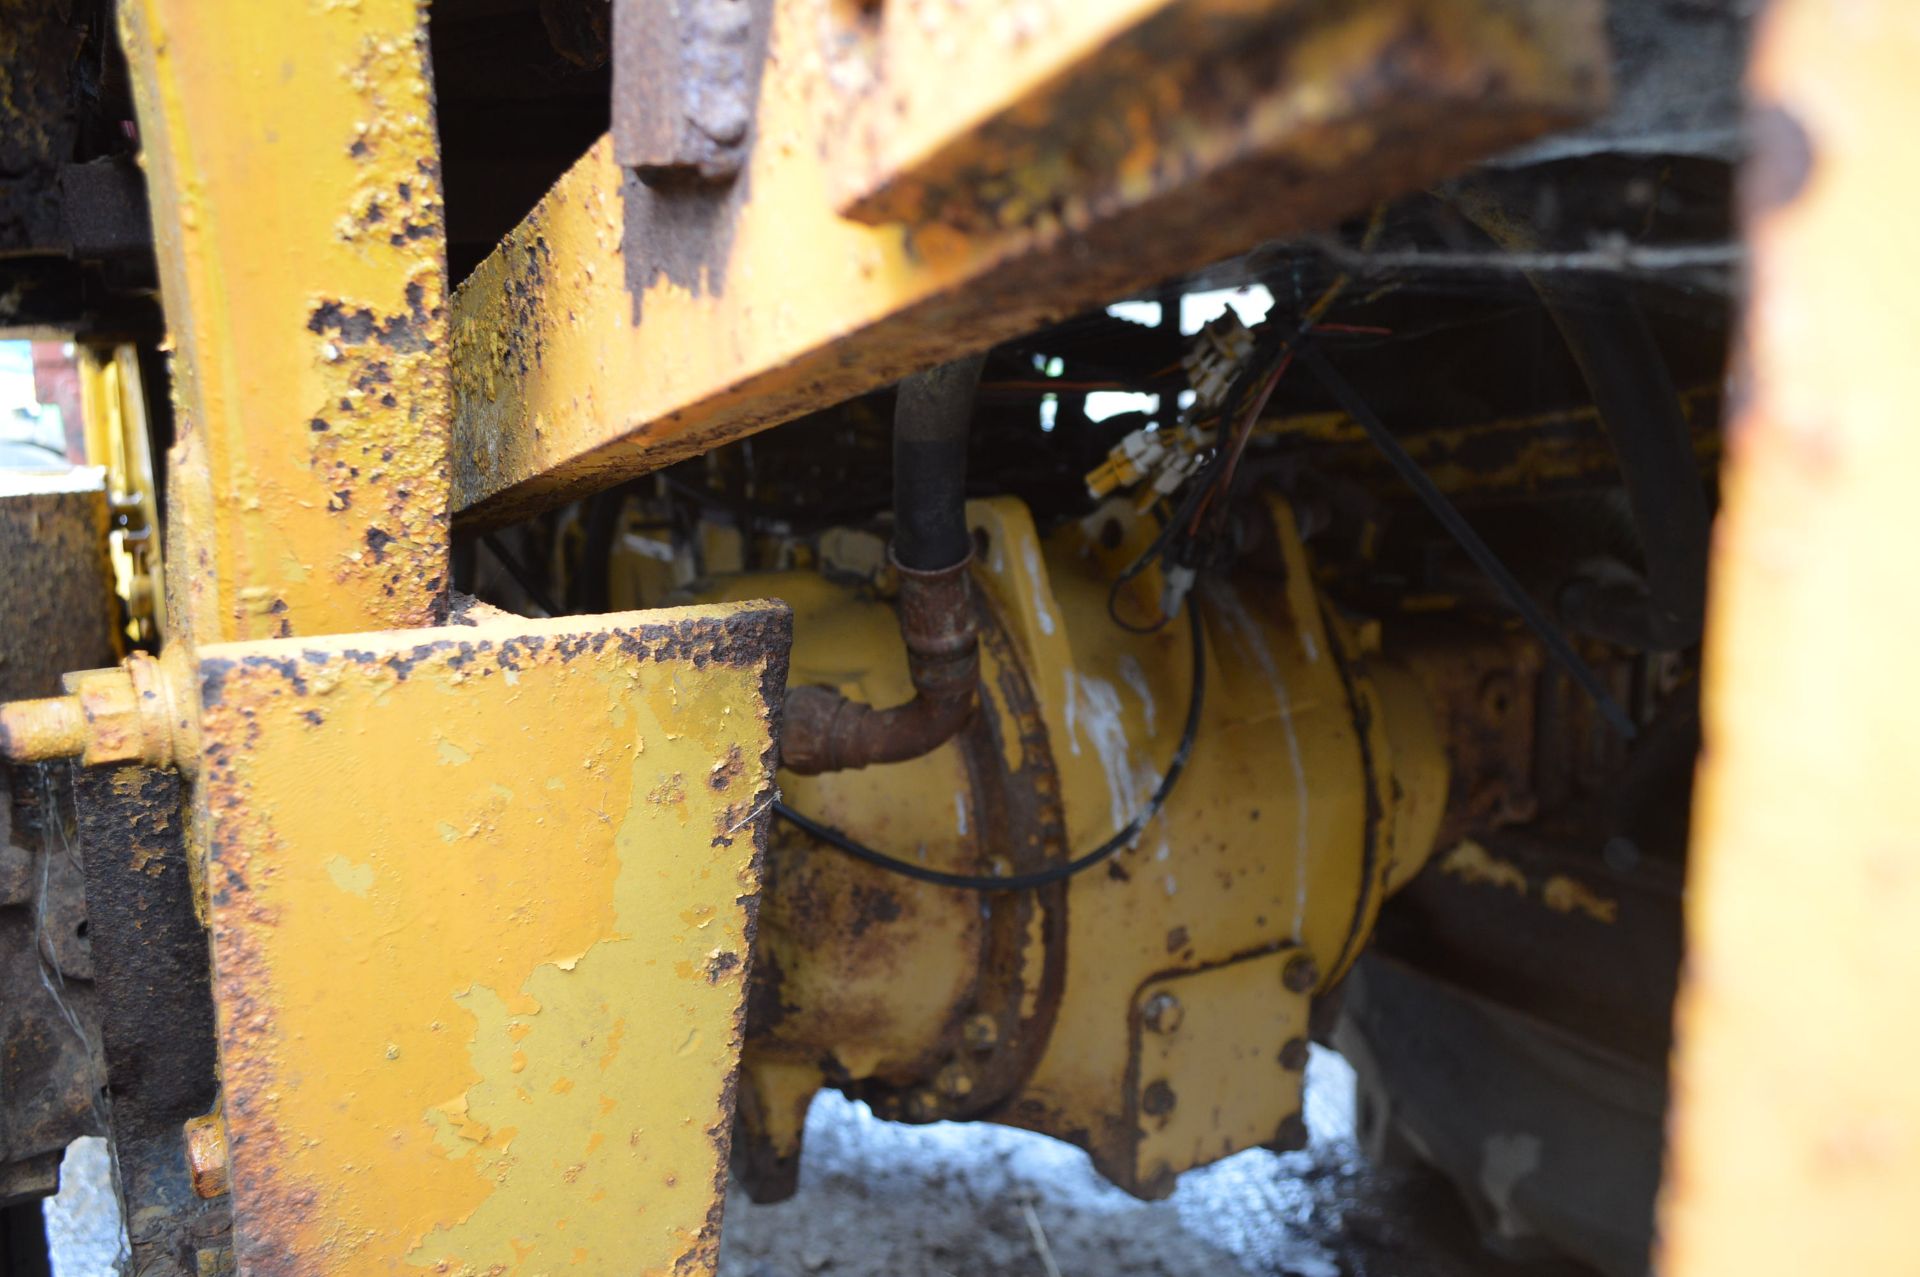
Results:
x,y
1163,853
960,814
1037,580
1172,886
1107,729
1136,680
1248,632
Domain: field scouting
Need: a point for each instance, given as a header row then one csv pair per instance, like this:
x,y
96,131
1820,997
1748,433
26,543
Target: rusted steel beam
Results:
x,y
622,327
294,176
1796,1124
150,966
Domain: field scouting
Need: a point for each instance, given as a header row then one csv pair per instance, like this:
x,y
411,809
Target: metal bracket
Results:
x,y
1239,1030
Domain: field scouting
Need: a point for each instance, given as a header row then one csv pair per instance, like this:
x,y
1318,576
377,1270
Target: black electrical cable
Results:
x,y
1478,550
1058,873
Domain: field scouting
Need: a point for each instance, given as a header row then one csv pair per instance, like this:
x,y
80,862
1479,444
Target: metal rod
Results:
x,y
1479,551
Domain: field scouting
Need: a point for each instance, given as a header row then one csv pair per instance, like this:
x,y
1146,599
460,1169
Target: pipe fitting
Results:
x,y
823,730
129,713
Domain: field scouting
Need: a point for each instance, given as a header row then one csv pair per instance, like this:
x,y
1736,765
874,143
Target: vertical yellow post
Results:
x,y
293,169
1796,1129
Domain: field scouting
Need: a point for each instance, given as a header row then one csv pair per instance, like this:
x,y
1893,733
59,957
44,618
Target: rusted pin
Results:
x,y
1293,1056
36,731
126,714
1301,975
207,1154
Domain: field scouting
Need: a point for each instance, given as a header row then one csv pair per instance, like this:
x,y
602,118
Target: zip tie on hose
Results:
x,y
1057,873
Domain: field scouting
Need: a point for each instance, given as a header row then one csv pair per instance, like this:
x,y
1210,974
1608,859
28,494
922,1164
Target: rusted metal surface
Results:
x,y
1315,785
300,239
56,600
1796,1122
134,712
1557,935
686,76
150,959
480,991
55,606
927,1003
823,730
1538,454
50,1070
37,123
558,392
205,1138
1036,108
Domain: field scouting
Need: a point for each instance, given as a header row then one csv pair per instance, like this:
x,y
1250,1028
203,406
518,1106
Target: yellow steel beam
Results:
x,y
621,328
1796,1130
293,173
480,901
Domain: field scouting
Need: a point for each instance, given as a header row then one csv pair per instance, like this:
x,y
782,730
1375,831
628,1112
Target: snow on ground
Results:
x,y
955,1200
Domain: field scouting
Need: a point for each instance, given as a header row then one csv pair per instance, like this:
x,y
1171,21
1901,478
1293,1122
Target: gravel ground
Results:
x,y
881,1200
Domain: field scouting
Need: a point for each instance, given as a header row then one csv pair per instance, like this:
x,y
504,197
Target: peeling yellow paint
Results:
x,y
1569,895
403,1081
1472,863
348,876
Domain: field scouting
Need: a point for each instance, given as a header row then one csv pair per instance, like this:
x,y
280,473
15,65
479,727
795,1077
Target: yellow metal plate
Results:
x,y
293,170
481,901
1209,1079
1795,1129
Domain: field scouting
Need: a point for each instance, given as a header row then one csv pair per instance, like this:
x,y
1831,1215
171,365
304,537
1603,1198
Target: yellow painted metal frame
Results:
x,y
480,900
293,167
479,897
113,405
762,302
1796,1123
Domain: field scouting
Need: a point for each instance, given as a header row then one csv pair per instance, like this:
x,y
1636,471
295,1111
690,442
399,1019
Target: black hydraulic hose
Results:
x,y
1619,358
1620,361
1478,550
930,426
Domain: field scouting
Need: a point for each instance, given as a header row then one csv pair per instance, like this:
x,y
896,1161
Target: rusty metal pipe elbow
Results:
x,y
824,731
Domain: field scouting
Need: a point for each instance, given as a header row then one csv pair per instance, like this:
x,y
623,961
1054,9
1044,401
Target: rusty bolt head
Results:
x,y
207,1155
1301,975
1162,1013
1497,694
115,733
1292,1135
1293,1056
1158,1099
980,1032
954,1081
